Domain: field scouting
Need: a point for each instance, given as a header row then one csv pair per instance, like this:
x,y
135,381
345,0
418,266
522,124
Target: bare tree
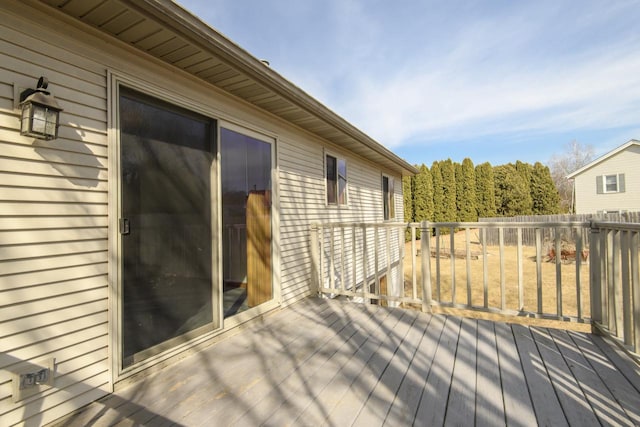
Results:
x,y
574,156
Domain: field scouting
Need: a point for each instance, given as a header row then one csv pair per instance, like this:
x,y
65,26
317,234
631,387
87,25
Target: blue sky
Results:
x,y
495,81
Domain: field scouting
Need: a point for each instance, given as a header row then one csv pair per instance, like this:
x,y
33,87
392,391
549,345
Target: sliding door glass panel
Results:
x,y
245,164
167,281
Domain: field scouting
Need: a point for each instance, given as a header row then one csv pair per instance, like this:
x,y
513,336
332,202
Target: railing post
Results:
x,y
425,255
315,259
595,279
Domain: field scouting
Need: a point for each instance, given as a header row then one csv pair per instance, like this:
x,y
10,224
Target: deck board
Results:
x,y
334,362
489,402
518,406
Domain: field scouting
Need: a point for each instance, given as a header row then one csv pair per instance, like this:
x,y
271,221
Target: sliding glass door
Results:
x,y
167,279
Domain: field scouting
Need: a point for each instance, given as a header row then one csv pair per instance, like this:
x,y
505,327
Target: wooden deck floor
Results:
x,y
329,362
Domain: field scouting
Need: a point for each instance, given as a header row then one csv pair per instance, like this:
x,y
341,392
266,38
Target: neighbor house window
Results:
x,y
336,169
610,183
388,202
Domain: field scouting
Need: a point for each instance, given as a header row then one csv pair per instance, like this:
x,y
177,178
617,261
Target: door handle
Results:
x,y
124,226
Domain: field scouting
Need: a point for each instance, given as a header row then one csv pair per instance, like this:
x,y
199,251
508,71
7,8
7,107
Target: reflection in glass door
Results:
x,y
166,155
245,164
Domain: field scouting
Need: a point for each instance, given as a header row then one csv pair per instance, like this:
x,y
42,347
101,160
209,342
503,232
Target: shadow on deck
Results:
x,y
336,363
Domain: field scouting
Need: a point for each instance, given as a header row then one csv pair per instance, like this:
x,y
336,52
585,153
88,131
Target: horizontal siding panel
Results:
x,y
70,138
20,44
44,222
51,263
57,79
48,182
35,307
24,237
90,138
71,135
50,195
41,292
45,348
51,249
45,333
52,169
72,209
24,280
29,321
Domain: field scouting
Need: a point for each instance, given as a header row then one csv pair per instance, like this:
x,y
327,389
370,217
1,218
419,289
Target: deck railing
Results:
x,y
562,275
616,281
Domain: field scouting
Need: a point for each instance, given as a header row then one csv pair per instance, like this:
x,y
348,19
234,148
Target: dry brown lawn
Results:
x,y
476,267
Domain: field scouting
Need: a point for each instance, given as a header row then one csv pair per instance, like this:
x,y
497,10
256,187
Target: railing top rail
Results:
x,y
358,224
426,224
616,225
533,224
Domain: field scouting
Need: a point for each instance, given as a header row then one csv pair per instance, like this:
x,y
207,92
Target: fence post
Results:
x,y
425,255
595,279
315,259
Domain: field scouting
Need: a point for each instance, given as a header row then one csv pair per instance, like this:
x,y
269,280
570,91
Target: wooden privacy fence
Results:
x,y
370,262
528,234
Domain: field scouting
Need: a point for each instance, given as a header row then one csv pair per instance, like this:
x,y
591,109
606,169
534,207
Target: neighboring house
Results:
x,y
607,185
175,203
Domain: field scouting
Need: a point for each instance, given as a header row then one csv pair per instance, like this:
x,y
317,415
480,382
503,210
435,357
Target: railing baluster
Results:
x,y
520,272
354,261
558,249
438,296
315,260
539,269
579,251
364,263
332,262
321,232
413,263
452,262
503,296
376,266
613,281
485,270
626,289
342,259
468,250
635,290
425,259
595,276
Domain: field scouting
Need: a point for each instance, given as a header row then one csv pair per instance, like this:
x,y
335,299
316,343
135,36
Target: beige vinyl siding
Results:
x,y
53,231
625,162
55,195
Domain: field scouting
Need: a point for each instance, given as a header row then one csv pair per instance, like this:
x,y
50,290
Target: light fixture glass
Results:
x,y
40,112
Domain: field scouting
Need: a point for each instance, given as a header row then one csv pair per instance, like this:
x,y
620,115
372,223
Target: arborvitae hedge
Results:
x,y
467,209
545,195
512,195
422,196
459,192
438,193
485,191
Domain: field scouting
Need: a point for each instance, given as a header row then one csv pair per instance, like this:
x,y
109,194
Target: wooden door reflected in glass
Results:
x,y
245,164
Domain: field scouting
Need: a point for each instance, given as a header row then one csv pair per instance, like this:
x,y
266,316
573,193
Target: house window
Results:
x,y
336,170
610,184
388,202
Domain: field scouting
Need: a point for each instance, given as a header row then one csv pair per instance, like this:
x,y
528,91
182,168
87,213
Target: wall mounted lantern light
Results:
x,y
40,112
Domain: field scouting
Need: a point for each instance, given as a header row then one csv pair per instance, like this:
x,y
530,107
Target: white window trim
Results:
x,y
604,184
338,158
391,196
